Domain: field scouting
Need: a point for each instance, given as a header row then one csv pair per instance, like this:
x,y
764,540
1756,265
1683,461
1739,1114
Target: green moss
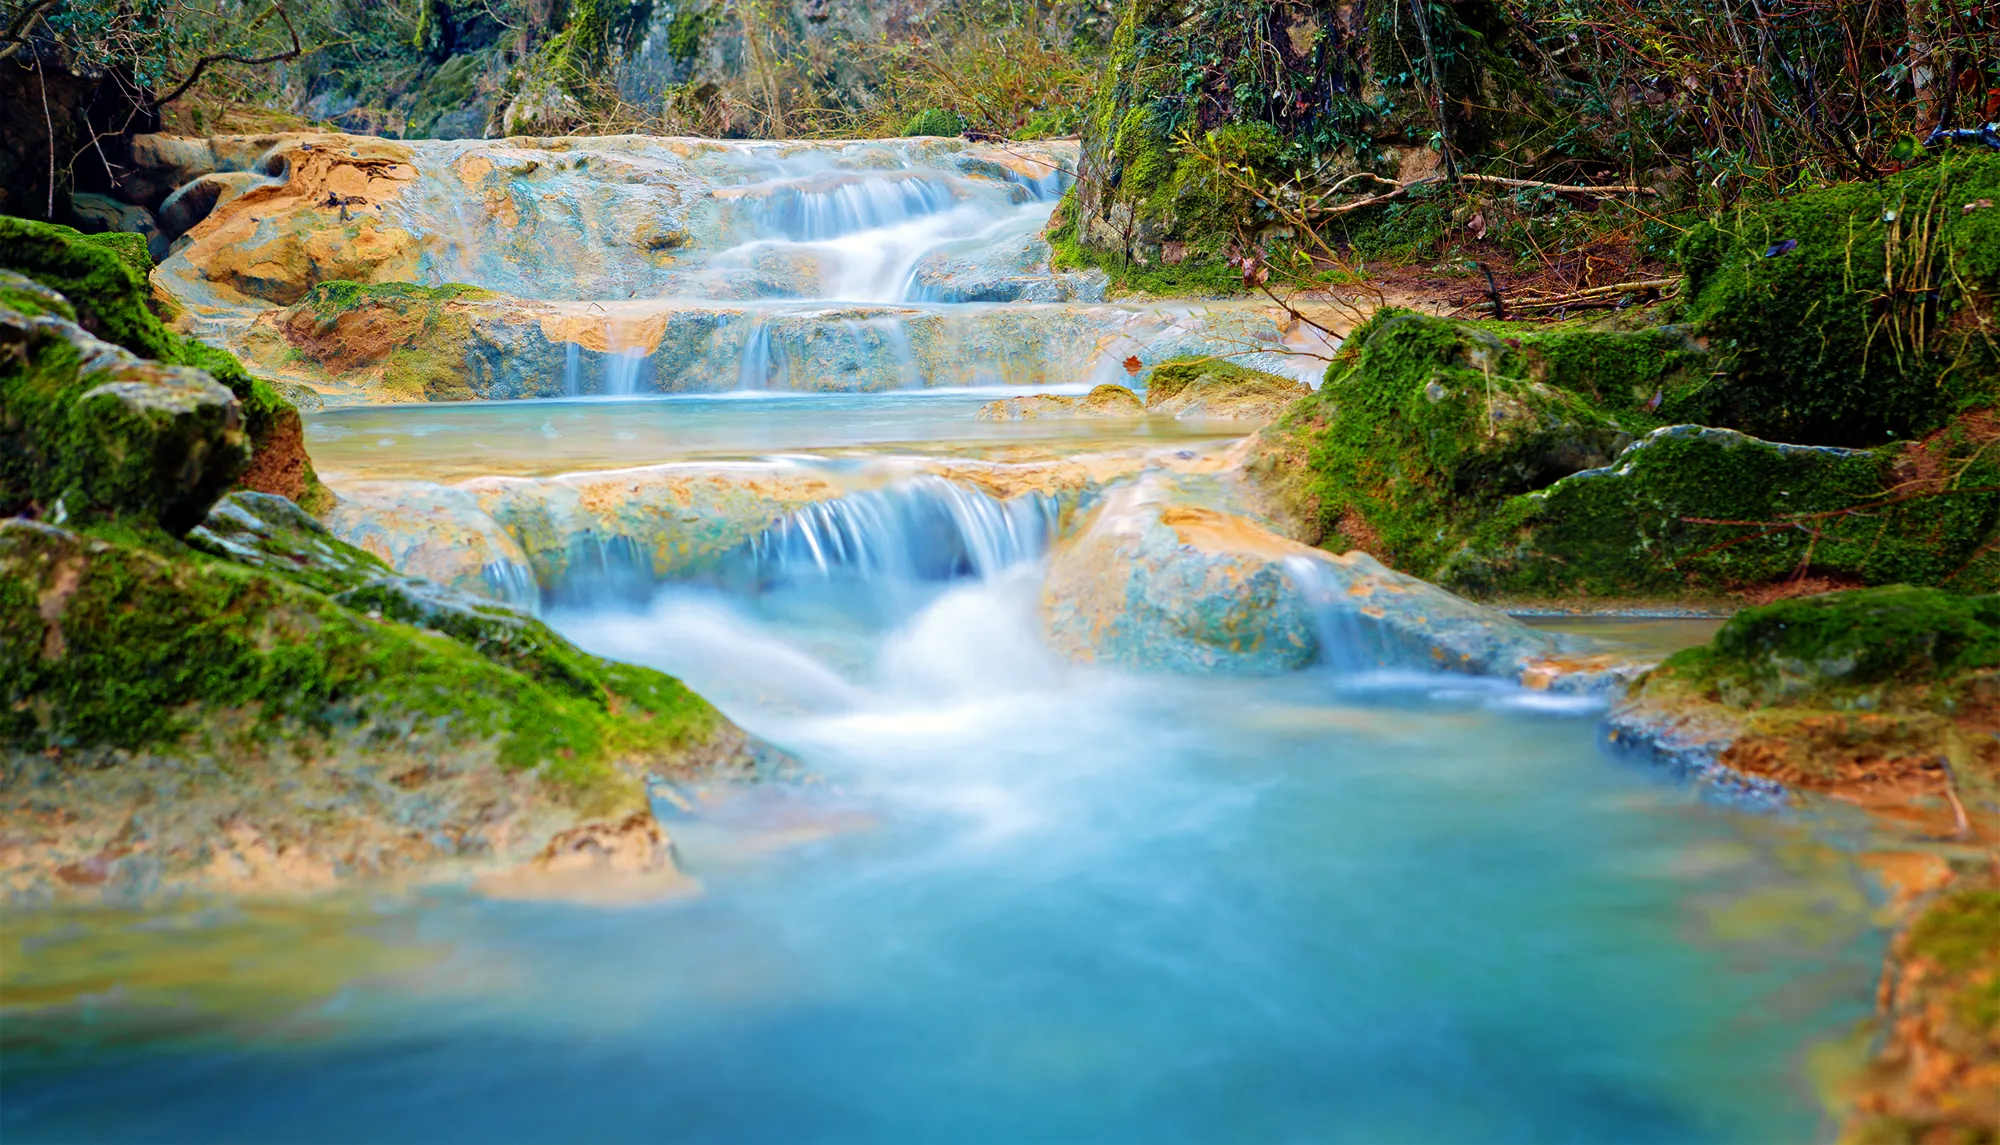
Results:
x,y
1175,377
1961,933
104,279
935,121
1833,650
1191,278
1707,511
1425,425
685,32
426,362
142,644
25,296
329,300
91,434
1876,321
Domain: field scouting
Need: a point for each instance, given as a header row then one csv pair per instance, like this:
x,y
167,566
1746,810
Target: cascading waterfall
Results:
x,y
802,214
923,529
764,365
621,371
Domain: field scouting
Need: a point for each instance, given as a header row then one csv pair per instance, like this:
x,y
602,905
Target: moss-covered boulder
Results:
x,y
1887,695
1424,426
1695,510
89,432
103,280
1215,388
274,683
1499,460
1853,314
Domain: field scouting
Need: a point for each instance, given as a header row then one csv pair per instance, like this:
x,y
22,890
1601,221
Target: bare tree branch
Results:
x,y
202,64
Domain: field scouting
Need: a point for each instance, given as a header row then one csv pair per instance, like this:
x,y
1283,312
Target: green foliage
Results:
x,y
1854,314
104,279
1820,651
935,121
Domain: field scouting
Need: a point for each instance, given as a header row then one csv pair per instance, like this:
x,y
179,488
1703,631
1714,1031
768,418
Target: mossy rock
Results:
x,y
124,641
1853,314
1424,426
103,279
407,331
1702,511
91,433
1846,649
1218,388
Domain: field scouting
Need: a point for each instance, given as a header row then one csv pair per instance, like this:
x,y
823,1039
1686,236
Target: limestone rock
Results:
x,y
437,532
1213,388
1104,401
1153,580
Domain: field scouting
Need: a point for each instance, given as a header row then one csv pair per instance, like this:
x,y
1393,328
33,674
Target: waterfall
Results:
x,y
923,529
572,369
1350,642
764,365
809,215
621,371
513,583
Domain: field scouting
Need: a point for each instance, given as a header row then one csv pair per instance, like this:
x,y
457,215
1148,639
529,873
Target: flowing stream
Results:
x,y
1005,898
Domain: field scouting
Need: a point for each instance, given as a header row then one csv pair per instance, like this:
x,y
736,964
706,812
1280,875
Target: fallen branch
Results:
x,y
1595,294
1559,188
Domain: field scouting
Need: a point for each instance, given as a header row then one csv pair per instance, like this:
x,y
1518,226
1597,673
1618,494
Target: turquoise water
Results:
x,y
1019,900
451,441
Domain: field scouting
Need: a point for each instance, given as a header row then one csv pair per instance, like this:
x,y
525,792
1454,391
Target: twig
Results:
x,y
1595,293
201,64
1493,292
50,122
16,35
1560,188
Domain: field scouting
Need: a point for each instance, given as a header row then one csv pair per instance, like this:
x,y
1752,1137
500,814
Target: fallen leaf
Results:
x,y
1132,364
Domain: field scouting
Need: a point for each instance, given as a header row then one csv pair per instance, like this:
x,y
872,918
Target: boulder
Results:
x,y
1152,579
1103,401
92,432
1212,388
103,280
437,532
274,711
1693,508
98,214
